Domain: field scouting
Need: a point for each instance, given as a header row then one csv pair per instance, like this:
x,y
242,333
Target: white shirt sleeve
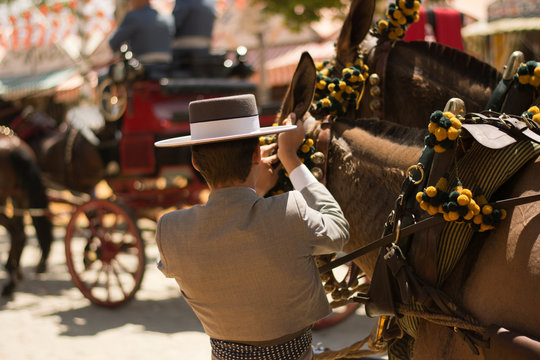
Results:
x,y
301,177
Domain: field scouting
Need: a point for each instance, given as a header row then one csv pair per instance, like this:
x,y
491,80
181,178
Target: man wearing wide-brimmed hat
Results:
x,y
244,262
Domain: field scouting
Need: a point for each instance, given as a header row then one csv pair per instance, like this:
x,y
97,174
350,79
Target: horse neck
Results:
x,y
419,77
372,167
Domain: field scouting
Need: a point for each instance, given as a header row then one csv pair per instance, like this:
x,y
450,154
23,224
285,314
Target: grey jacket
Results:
x,y
244,263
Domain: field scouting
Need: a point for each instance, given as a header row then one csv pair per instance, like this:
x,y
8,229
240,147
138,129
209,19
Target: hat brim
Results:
x,y
187,140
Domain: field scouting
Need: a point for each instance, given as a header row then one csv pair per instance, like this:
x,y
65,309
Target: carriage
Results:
x,y
104,247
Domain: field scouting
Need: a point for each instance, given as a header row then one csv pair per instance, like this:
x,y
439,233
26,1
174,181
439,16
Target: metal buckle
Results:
x,y
502,119
398,249
418,167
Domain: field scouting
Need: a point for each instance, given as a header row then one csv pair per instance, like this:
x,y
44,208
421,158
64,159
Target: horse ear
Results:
x,y
301,90
354,29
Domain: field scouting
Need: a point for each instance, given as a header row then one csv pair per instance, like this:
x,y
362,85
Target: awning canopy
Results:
x,y
22,86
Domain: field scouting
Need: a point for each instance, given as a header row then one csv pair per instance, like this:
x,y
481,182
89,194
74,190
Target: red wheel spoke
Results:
x,y
91,226
118,280
99,272
123,268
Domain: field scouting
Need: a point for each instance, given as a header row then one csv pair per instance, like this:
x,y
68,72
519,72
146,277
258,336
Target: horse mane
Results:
x,y
458,59
389,130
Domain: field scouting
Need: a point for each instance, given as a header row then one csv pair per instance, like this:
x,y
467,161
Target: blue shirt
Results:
x,y
145,30
194,17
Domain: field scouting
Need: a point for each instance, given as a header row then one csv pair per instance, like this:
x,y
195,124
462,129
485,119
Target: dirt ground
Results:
x,y
48,317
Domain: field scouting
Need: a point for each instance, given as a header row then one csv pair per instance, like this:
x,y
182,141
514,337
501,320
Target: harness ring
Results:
x,y
420,168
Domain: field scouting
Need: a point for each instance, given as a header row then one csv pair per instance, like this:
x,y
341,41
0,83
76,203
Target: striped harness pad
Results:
x,y
480,167
290,350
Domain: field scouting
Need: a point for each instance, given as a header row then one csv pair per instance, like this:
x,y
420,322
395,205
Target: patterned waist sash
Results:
x,y
290,350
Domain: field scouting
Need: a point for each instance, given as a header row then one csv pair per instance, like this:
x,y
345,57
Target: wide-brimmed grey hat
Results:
x,y
223,119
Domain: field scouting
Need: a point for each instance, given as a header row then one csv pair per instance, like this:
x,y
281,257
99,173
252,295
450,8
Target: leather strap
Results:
x,y
411,229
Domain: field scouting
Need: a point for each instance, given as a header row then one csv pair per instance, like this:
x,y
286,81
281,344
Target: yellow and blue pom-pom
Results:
x,y
334,95
460,205
399,16
528,75
533,113
444,130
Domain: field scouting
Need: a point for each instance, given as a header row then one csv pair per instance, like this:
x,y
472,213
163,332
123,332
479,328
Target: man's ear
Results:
x,y
256,157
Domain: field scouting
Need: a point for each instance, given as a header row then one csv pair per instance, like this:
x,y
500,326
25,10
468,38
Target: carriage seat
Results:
x,y
200,65
174,86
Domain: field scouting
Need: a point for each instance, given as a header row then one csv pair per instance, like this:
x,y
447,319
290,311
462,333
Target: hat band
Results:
x,y
227,127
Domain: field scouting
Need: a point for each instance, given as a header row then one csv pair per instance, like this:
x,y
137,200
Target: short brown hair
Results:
x,y
222,162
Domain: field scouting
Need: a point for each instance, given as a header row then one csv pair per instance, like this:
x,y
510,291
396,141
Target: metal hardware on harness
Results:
x,y
390,220
318,158
382,324
418,167
397,249
503,118
318,173
396,231
512,64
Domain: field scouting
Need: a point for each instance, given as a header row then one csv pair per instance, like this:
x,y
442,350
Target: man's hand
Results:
x,y
289,142
268,174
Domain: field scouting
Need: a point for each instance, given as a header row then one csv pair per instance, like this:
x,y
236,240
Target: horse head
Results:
x,y
398,80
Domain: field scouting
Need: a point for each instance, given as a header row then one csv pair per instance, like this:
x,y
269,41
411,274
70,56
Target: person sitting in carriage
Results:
x,y
147,33
244,262
194,23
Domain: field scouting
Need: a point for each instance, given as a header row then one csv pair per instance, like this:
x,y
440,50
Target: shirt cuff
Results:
x,y
301,177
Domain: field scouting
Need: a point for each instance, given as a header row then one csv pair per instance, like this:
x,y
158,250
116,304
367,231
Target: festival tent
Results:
x,y
53,44
510,25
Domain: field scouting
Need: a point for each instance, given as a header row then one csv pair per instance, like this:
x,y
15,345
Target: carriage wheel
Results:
x,y
104,253
112,99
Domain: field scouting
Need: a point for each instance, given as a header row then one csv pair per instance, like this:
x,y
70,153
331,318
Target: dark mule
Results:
x,y
20,182
366,164
414,78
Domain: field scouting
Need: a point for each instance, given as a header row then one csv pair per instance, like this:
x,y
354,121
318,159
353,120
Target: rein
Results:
x,y
411,229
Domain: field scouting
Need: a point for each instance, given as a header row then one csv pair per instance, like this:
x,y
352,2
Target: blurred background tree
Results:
x,y
302,12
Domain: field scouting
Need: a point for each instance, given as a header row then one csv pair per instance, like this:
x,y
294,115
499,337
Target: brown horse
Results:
x,y
414,78
48,157
367,162
66,158
20,181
